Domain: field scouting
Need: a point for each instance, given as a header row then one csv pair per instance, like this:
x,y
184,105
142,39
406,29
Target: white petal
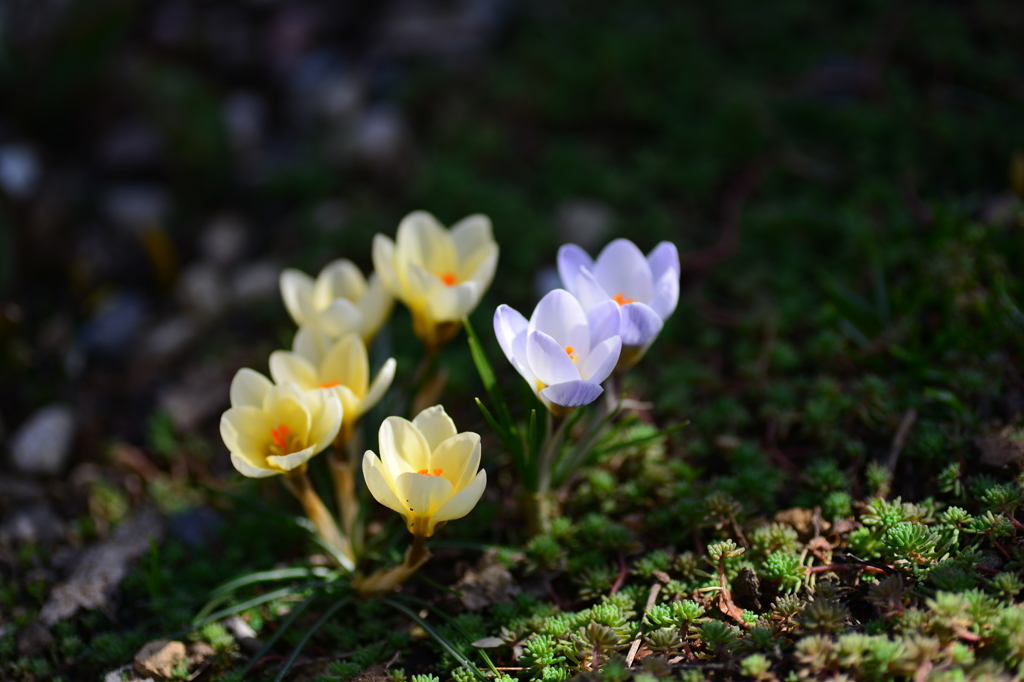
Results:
x,y
292,460
249,387
560,316
379,387
570,259
384,265
639,325
572,393
340,317
604,321
601,361
249,470
297,293
666,295
421,285
402,447
375,308
423,241
288,405
520,359
481,267
378,483
549,360
311,343
508,323
339,279
291,367
435,425
588,291
451,304
462,502
471,234
421,494
661,259
622,269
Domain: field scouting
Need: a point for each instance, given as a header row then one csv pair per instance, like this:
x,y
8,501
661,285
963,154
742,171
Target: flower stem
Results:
x,y
386,580
538,504
298,484
343,462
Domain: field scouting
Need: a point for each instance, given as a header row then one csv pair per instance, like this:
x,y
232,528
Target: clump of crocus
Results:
x,y
563,352
429,473
338,301
645,289
440,275
275,430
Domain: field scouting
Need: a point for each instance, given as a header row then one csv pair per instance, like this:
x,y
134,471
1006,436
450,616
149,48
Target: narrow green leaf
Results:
x,y
637,441
285,624
202,619
268,576
510,442
483,367
309,633
445,644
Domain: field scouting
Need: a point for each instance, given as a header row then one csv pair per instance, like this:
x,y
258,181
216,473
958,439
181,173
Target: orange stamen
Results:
x,y
447,277
571,352
280,435
426,472
330,384
621,299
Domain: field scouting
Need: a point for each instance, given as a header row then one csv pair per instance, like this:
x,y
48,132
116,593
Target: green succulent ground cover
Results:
x,y
842,504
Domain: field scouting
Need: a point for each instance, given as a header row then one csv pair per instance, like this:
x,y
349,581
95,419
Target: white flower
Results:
x,y
340,300
276,429
440,275
563,352
645,289
342,367
427,471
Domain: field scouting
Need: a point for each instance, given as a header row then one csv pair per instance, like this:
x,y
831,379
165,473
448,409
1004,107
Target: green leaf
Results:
x,y
483,367
445,644
309,633
285,624
637,441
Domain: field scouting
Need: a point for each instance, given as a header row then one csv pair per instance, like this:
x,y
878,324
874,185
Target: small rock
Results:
x,y
201,290
199,653
746,590
159,658
42,444
585,222
125,673
101,569
20,169
170,337
255,282
243,634
224,240
37,524
34,639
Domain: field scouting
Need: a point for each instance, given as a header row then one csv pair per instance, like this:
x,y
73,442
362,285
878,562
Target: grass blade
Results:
x,y
483,367
445,644
268,576
202,619
309,633
455,624
637,441
285,624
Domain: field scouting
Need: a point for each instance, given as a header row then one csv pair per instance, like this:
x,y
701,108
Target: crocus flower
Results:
x,y
343,367
440,275
276,429
427,471
645,289
338,301
563,352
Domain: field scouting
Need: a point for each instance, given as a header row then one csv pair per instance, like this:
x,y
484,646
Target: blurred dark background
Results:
x,y
160,162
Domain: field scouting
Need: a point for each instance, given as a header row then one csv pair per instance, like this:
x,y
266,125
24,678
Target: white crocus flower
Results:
x,y
338,301
563,352
342,366
440,275
427,471
645,289
272,429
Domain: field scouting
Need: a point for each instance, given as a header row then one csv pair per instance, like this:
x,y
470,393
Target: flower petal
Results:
x,y
379,484
435,425
622,269
286,405
326,420
462,502
288,367
549,360
380,386
297,293
375,307
421,494
588,291
520,360
508,323
340,317
662,258
292,460
246,432
471,234
604,321
639,324
572,393
249,470
458,458
384,265
450,304
481,267
339,279
601,361
570,259
348,364
666,295
402,447
249,387
560,316
311,343
423,241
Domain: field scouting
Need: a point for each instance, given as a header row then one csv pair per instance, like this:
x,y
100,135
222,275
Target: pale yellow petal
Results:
x,y
249,470
339,279
297,293
351,404
379,484
292,460
384,266
457,458
286,367
311,343
379,387
423,495
435,425
326,419
472,234
249,387
340,317
246,432
286,406
402,447
451,304
481,267
375,306
462,502
348,364
423,241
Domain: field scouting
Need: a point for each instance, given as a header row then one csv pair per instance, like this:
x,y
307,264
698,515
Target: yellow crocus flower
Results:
x,y
440,275
427,471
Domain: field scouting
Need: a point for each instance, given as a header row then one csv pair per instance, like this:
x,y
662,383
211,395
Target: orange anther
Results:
x,y
571,352
621,299
426,472
447,277
280,435
330,384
